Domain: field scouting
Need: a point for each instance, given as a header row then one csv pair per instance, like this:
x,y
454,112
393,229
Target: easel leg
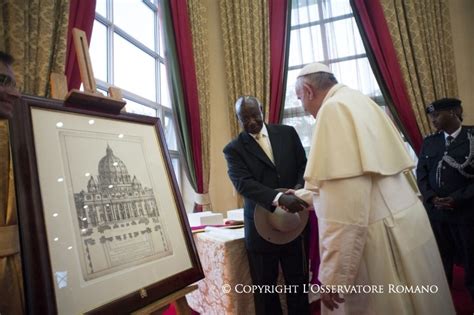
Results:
x,y
182,307
177,298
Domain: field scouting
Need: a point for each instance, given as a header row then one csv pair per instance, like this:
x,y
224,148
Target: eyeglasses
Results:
x,y
7,81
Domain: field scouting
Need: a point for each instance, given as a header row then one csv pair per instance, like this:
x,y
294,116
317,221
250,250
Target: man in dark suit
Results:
x,y
445,176
260,160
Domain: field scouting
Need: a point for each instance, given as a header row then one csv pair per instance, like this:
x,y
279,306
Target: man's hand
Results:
x,y
331,300
443,203
8,97
291,203
447,202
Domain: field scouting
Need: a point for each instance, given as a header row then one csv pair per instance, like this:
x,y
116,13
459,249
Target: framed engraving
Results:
x,y
102,223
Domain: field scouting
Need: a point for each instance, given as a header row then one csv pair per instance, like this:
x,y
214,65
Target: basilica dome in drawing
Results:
x,y
113,195
118,219
112,170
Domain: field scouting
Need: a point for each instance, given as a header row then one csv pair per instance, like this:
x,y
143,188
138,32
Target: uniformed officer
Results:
x,y
445,176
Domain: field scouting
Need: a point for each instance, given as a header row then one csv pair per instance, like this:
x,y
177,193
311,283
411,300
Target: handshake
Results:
x,y
291,203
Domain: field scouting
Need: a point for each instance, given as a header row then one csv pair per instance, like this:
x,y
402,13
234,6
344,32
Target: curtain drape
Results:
x,y
81,16
11,279
184,92
198,19
421,35
34,32
280,22
382,56
246,52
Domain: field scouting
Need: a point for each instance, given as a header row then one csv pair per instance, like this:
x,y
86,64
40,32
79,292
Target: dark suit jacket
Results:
x,y
452,182
255,177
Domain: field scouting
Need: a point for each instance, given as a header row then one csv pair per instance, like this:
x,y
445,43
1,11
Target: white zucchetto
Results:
x,y
313,68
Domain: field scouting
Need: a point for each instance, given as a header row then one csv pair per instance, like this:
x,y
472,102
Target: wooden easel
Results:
x,y
88,99
178,297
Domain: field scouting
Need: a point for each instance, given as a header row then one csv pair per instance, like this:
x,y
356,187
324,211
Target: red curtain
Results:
x,y
185,56
81,15
372,22
279,12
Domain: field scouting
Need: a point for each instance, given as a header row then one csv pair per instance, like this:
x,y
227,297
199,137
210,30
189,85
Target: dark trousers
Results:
x,y
264,271
456,240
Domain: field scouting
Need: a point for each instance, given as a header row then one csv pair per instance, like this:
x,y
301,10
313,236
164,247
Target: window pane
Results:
x,y
170,134
291,99
137,108
304,11
343,39
98,51
335,8
304,127
164,88
177,170
161,41
136,18
358,75
134,70
305,46
295,56
101,7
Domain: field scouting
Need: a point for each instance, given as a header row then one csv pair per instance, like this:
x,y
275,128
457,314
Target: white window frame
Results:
x,y
299,112
111,29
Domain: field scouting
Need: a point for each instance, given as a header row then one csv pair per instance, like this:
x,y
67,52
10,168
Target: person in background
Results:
x,y
8,92
373,229
11,281
445,176
261,159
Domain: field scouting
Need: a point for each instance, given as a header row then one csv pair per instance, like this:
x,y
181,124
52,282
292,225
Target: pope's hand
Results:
x,y
331,300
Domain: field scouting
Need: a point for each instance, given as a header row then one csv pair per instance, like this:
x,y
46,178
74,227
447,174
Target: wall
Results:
x,y
462,25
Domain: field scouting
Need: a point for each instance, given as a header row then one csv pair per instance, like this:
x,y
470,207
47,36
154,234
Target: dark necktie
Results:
x,y
449,139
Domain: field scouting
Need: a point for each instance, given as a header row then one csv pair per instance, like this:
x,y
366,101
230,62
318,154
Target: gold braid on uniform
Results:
x,y
460,167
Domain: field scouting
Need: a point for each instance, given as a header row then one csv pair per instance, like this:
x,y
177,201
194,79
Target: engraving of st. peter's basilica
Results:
x,y
118,220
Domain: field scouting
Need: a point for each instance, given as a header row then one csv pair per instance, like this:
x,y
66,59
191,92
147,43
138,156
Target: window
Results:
x,y
325,31
127,51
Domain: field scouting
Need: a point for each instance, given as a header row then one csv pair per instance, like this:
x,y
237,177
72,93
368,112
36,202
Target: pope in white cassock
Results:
x,y
373,230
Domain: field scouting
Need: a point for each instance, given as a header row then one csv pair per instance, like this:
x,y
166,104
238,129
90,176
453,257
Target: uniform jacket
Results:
x,y
450,181
255,177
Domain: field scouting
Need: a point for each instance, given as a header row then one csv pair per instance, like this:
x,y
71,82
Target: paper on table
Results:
x,y
228,234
